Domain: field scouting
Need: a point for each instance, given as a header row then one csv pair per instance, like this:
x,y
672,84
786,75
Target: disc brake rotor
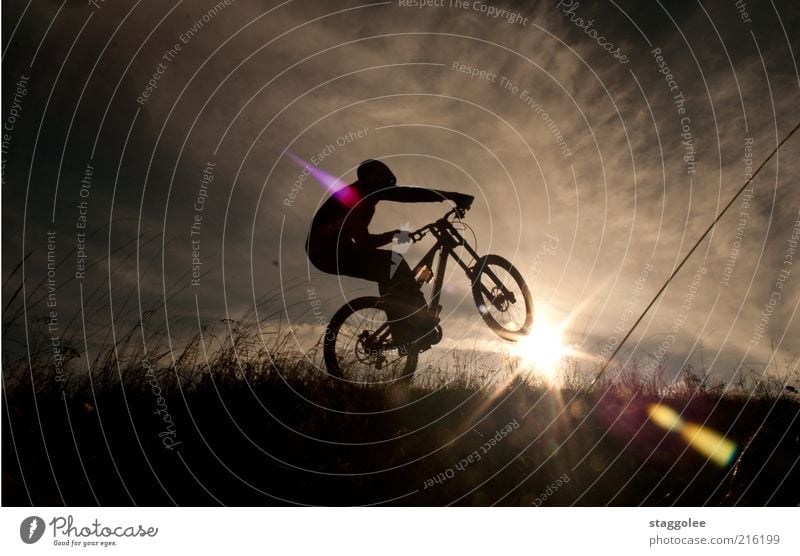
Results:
x,y
499,300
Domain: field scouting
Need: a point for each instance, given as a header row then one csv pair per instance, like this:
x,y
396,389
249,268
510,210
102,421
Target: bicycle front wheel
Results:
x,y
502,297
358,346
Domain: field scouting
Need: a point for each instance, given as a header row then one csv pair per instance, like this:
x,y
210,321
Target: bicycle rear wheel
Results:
x,y
358,346
502,297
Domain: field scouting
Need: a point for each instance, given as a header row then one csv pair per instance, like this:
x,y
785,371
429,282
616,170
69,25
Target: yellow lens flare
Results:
x,y
665,417
708,442
543,348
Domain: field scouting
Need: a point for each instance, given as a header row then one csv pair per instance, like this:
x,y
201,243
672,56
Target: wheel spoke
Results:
x,y
364,348
501,293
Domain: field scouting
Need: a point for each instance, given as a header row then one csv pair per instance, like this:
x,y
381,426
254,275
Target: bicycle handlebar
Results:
x,y
456,211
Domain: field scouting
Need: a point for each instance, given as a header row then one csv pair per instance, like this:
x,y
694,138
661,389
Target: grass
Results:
x,y
236,416
263,426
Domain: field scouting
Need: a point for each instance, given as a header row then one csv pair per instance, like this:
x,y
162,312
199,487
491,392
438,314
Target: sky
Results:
x,y
146,141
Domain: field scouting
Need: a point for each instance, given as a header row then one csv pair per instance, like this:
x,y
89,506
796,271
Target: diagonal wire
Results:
x,y
689,254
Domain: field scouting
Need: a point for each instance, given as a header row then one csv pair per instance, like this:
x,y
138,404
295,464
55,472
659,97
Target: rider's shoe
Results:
x,y
424,321
431,338
422,329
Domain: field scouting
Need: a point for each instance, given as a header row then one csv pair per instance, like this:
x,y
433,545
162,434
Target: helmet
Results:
x,y
375,173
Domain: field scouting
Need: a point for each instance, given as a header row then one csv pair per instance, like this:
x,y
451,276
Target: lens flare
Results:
x,y
336,187
665,417
708,442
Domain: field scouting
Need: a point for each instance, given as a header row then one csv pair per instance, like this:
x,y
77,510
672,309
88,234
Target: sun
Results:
x,y
543,349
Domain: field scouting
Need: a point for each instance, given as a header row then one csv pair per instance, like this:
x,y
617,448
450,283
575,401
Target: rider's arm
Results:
x,y
403,194
377,240
364,239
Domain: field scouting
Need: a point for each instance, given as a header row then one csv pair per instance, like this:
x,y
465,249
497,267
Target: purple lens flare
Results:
x,y
346,195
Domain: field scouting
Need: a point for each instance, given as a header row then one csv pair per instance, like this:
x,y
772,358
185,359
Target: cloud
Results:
x,y
252,83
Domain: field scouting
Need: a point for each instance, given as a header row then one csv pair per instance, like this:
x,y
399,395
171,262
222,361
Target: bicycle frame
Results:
x,y
448,239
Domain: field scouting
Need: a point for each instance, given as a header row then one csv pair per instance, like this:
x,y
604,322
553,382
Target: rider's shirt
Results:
x,y
342,222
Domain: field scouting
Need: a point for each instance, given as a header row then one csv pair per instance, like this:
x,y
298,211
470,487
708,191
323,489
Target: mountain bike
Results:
x,y
358,345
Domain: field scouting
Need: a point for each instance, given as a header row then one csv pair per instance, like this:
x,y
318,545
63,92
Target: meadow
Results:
x,y
229,419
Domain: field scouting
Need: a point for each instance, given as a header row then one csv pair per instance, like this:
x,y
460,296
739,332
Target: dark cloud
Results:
x,y
256,79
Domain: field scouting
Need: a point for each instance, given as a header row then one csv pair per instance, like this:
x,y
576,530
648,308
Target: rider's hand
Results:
x,y
463,202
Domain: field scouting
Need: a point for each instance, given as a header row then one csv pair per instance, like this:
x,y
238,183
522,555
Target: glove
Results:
x,y
463,202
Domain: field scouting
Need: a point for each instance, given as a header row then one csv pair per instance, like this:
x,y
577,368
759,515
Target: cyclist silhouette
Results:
x,y
339,243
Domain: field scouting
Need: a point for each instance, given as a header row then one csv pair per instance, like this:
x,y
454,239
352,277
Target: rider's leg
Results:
x,y
413,320
407,312
408,309
402,286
